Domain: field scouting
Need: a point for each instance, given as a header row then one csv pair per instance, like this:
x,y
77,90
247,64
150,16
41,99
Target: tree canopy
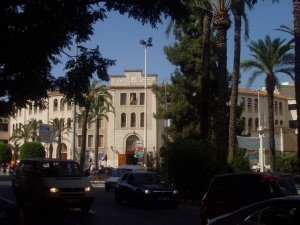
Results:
x,y
34,34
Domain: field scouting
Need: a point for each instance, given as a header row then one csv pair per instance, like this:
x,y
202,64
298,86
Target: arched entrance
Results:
x,y
128,158
64,154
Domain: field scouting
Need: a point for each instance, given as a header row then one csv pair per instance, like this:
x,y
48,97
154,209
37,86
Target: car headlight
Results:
x,y
88,189
146,191
54,190
175,192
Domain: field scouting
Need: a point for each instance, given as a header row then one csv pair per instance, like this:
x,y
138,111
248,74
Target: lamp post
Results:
x,y
260,130
146,44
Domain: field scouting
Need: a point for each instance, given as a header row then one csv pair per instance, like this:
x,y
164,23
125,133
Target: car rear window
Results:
x,y
119,172
289,186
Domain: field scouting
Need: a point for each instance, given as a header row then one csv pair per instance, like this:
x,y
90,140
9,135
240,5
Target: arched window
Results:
x,y
142,120
256,105
249,105
276,122
13,127
280,108
123,120
256,122
130,142
62,104
35,109
55,105
17,126
275,108
281,122
242,103
132,120
249,123
69,107
69,122
30,108
40,122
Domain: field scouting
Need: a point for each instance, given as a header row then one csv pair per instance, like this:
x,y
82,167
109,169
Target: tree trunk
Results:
x,y
205,81
235,84
296,6
59,146
84,132
222,24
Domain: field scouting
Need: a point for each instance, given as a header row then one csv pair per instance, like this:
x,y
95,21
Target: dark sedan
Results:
x,y
277,211
145,189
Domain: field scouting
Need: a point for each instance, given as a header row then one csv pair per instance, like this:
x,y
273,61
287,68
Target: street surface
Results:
x,y
104,211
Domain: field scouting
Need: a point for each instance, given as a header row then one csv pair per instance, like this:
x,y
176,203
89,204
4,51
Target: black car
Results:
x,y
276,211
145,189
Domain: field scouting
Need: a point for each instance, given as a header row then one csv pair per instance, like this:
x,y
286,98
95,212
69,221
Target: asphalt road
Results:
x,y
104,211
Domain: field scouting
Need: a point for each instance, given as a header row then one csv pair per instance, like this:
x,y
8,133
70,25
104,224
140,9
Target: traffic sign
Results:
x,y
46,133
139,154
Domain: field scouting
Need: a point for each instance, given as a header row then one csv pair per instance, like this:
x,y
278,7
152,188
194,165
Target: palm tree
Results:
x,y
16,148
288,30
270,57
238,10
26,132
60,128
221,22
101,105
296,7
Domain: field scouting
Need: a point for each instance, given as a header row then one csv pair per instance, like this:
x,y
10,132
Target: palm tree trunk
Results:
x,y
84,132
270,87
235,84
97,141
205,82
222,23
296,6
59,146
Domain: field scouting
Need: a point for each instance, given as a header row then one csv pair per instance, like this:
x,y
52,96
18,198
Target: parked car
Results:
x,y
52,183
145,189
277,211
230,192
111,182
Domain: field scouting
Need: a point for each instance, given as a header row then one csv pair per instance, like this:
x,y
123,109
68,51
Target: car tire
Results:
x,y
85,209
204,216
118,199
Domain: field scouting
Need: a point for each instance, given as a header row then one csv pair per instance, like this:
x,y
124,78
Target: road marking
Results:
x,y
7,200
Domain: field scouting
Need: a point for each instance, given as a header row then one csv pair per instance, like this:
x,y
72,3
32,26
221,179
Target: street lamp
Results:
x,y
260,130
146,44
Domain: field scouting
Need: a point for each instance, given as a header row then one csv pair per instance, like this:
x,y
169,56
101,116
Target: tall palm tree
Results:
x,y
60,127
270,57
101,105
296,7
288,30
222,23
238,10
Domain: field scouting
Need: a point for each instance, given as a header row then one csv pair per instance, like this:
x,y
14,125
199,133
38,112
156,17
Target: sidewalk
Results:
x,y
4,174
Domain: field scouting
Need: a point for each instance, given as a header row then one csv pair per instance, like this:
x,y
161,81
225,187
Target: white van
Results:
x,y
111,182
56,183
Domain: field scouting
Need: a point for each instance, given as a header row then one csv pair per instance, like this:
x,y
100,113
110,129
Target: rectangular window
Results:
x,y
123,99
293,124
79,141
142,98
133,99
142,122
100,141
3,126
90,141
292,107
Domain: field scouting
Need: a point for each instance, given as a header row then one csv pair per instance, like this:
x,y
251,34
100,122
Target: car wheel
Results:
x,y
118,199
85,209
205,218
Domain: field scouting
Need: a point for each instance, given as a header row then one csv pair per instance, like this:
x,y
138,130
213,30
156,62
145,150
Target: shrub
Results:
x,y
287,163
239,163
32,150
5,153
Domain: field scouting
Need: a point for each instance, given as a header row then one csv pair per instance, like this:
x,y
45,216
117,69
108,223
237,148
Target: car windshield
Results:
x,y
290,186
61,169
119,172
149,179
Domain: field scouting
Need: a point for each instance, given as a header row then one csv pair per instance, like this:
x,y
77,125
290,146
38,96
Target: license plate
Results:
x,y
163,198
73,200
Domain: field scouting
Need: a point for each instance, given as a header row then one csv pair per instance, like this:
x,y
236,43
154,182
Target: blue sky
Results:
x,y
118,38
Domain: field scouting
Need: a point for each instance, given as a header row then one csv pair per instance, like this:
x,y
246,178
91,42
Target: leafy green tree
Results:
x,y
25,59
287,163
5,153
239,163
76,85
60,127
32,150
270,57
188,160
